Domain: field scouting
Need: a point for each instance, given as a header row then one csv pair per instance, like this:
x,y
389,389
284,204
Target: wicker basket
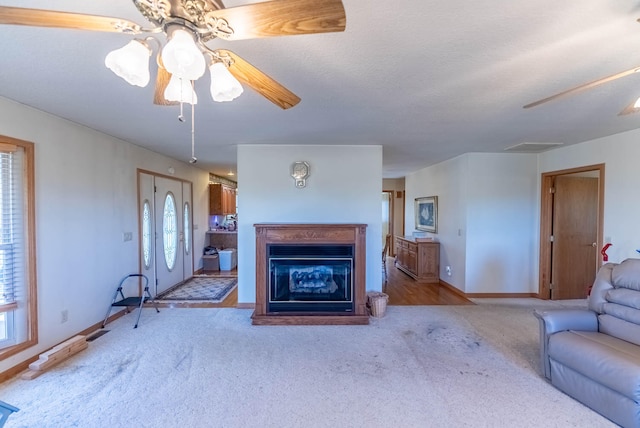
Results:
x,y
377,303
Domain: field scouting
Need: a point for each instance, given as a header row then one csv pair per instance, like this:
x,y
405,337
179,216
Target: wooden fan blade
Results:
x,y
162,81
630,109
50,18
260,82
584,87
284,18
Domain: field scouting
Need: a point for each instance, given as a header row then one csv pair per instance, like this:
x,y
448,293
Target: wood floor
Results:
x,y
404,290
401,288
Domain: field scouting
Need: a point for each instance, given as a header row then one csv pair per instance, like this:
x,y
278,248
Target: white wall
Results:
x,y
499,194
501,202
344,186
446,181
86,197
620,154
486,220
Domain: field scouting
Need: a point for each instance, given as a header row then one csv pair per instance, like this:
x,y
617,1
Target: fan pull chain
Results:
x,y
193,127
181,115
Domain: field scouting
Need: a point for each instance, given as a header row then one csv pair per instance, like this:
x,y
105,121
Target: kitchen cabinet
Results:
x,y
418,259
222,199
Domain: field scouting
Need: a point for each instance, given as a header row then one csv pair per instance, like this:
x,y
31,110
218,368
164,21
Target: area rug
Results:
x,y
201,288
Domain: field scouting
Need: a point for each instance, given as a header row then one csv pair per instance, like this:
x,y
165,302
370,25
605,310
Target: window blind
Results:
x,y
11,225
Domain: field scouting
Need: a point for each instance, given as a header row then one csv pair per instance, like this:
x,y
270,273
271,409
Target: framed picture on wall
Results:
x,y
426,212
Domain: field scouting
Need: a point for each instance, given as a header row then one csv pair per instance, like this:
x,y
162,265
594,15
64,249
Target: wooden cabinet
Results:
x,y
222,199
420,260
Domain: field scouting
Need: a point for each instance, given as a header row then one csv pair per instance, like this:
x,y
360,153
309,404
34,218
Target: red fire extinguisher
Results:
x,y
605,257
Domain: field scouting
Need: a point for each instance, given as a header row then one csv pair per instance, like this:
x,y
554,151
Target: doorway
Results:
x,y
572,208
387,216
166,230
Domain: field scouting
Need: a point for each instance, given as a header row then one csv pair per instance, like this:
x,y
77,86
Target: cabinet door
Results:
x,y
222,199
229,200
429,265
400,253
215,199
412,259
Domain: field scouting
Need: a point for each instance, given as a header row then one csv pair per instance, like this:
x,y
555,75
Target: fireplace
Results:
x,y
312,278
310,274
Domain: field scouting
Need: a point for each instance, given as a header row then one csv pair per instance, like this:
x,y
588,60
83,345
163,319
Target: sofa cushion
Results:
x,y
623,312
616,327
624,296
627,274
601,285
607,360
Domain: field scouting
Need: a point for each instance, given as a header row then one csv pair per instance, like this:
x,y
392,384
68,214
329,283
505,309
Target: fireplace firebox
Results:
x,y
310,278
310,274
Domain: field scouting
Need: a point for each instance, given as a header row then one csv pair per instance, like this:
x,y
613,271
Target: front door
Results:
x,y
166,230
168,233
574,258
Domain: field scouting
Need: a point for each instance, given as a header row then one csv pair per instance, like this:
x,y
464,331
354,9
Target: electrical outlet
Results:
x,y
448,270
64,316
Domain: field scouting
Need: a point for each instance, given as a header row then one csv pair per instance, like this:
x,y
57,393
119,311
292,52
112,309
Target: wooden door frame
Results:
x,y
546,222
392,218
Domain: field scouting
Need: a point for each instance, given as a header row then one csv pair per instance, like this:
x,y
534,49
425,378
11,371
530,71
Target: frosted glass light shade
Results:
x,y
224,87
181,57
637,103
131,62
180,90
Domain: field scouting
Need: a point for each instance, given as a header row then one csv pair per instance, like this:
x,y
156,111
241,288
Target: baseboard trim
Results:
x,y
12,372
246,306
499,295
461,293
453,289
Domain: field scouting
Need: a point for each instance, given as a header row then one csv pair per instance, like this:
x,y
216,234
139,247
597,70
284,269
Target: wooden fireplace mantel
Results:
x,y
297,233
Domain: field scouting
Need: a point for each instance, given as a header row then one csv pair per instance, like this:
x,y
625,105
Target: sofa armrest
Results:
x,y
555,320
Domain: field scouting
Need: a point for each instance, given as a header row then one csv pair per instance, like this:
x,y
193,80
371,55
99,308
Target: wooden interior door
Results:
x,y
574,258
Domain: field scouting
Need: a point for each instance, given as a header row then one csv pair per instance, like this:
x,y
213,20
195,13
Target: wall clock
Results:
x,y
300,172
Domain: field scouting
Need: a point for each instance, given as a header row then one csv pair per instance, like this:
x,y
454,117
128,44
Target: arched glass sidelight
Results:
x,y
170,231
146,234
187,228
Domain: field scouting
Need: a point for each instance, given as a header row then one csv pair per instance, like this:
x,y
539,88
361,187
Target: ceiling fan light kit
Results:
x,y
181,57
224,87
131,62
181,91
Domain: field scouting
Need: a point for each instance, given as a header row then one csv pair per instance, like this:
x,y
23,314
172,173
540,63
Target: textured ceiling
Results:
x,y
428,80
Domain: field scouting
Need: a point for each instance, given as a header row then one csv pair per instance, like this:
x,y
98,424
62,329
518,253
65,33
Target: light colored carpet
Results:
x,y
428,366
201,288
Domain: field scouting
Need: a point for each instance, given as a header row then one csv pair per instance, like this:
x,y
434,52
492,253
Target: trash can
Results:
x,y
377,303
210,262
228,259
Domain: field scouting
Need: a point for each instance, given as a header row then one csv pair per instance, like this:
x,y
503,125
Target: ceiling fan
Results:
x,y
631,108
188,25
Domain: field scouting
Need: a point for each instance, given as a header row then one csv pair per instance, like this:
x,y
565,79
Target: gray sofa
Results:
x,y
593,355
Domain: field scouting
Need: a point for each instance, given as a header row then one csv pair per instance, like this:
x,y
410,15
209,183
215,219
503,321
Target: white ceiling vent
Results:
x,y
531,147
